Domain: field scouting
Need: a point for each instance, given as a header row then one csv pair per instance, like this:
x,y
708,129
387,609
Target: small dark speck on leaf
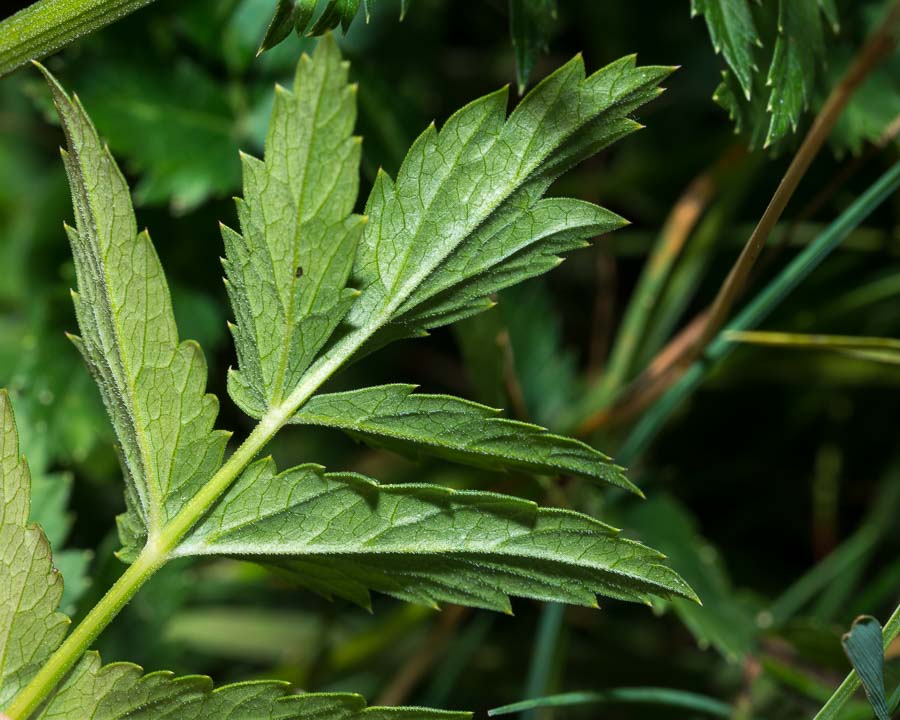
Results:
x,y
298,272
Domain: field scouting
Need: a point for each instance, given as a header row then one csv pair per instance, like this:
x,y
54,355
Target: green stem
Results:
x,y
767,300
48,25
845,690
159,549
27,701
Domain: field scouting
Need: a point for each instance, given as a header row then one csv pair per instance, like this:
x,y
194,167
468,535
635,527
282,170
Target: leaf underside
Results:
x,y
464,218
153,386
343,534
287,272
392,416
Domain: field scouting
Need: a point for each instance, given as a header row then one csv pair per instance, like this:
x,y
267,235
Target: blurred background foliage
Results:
x,y
775,489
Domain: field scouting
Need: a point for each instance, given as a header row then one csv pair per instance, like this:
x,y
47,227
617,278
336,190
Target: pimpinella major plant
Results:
x,y
313,287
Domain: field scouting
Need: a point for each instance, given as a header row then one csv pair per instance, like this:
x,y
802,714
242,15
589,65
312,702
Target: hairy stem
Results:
x,y
845,690
159,549
28,700
48,25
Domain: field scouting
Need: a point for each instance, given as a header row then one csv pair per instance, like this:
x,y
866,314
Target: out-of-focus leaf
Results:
x,y
396,417
546,370
776,60
175,125
530,22
245,633
726,620
733,33
874,110
865,649
481,341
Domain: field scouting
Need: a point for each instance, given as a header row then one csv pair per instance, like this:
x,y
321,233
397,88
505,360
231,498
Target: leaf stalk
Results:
x,y
47,25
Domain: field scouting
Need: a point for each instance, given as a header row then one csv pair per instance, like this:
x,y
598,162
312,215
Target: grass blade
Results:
x,y
635,695
876,349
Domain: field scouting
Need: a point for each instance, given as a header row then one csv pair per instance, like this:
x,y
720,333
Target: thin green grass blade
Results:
x,y
631,696
876,349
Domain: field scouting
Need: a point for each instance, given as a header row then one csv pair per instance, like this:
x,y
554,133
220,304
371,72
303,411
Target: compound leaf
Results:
x,y
287,271
767,99
153,386
344,534
393,416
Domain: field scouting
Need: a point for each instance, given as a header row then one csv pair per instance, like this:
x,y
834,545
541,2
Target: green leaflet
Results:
x,y
799,50
296,15
465,217
344,534
733,34
120,691
287,272
30,627
152,385
393,416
